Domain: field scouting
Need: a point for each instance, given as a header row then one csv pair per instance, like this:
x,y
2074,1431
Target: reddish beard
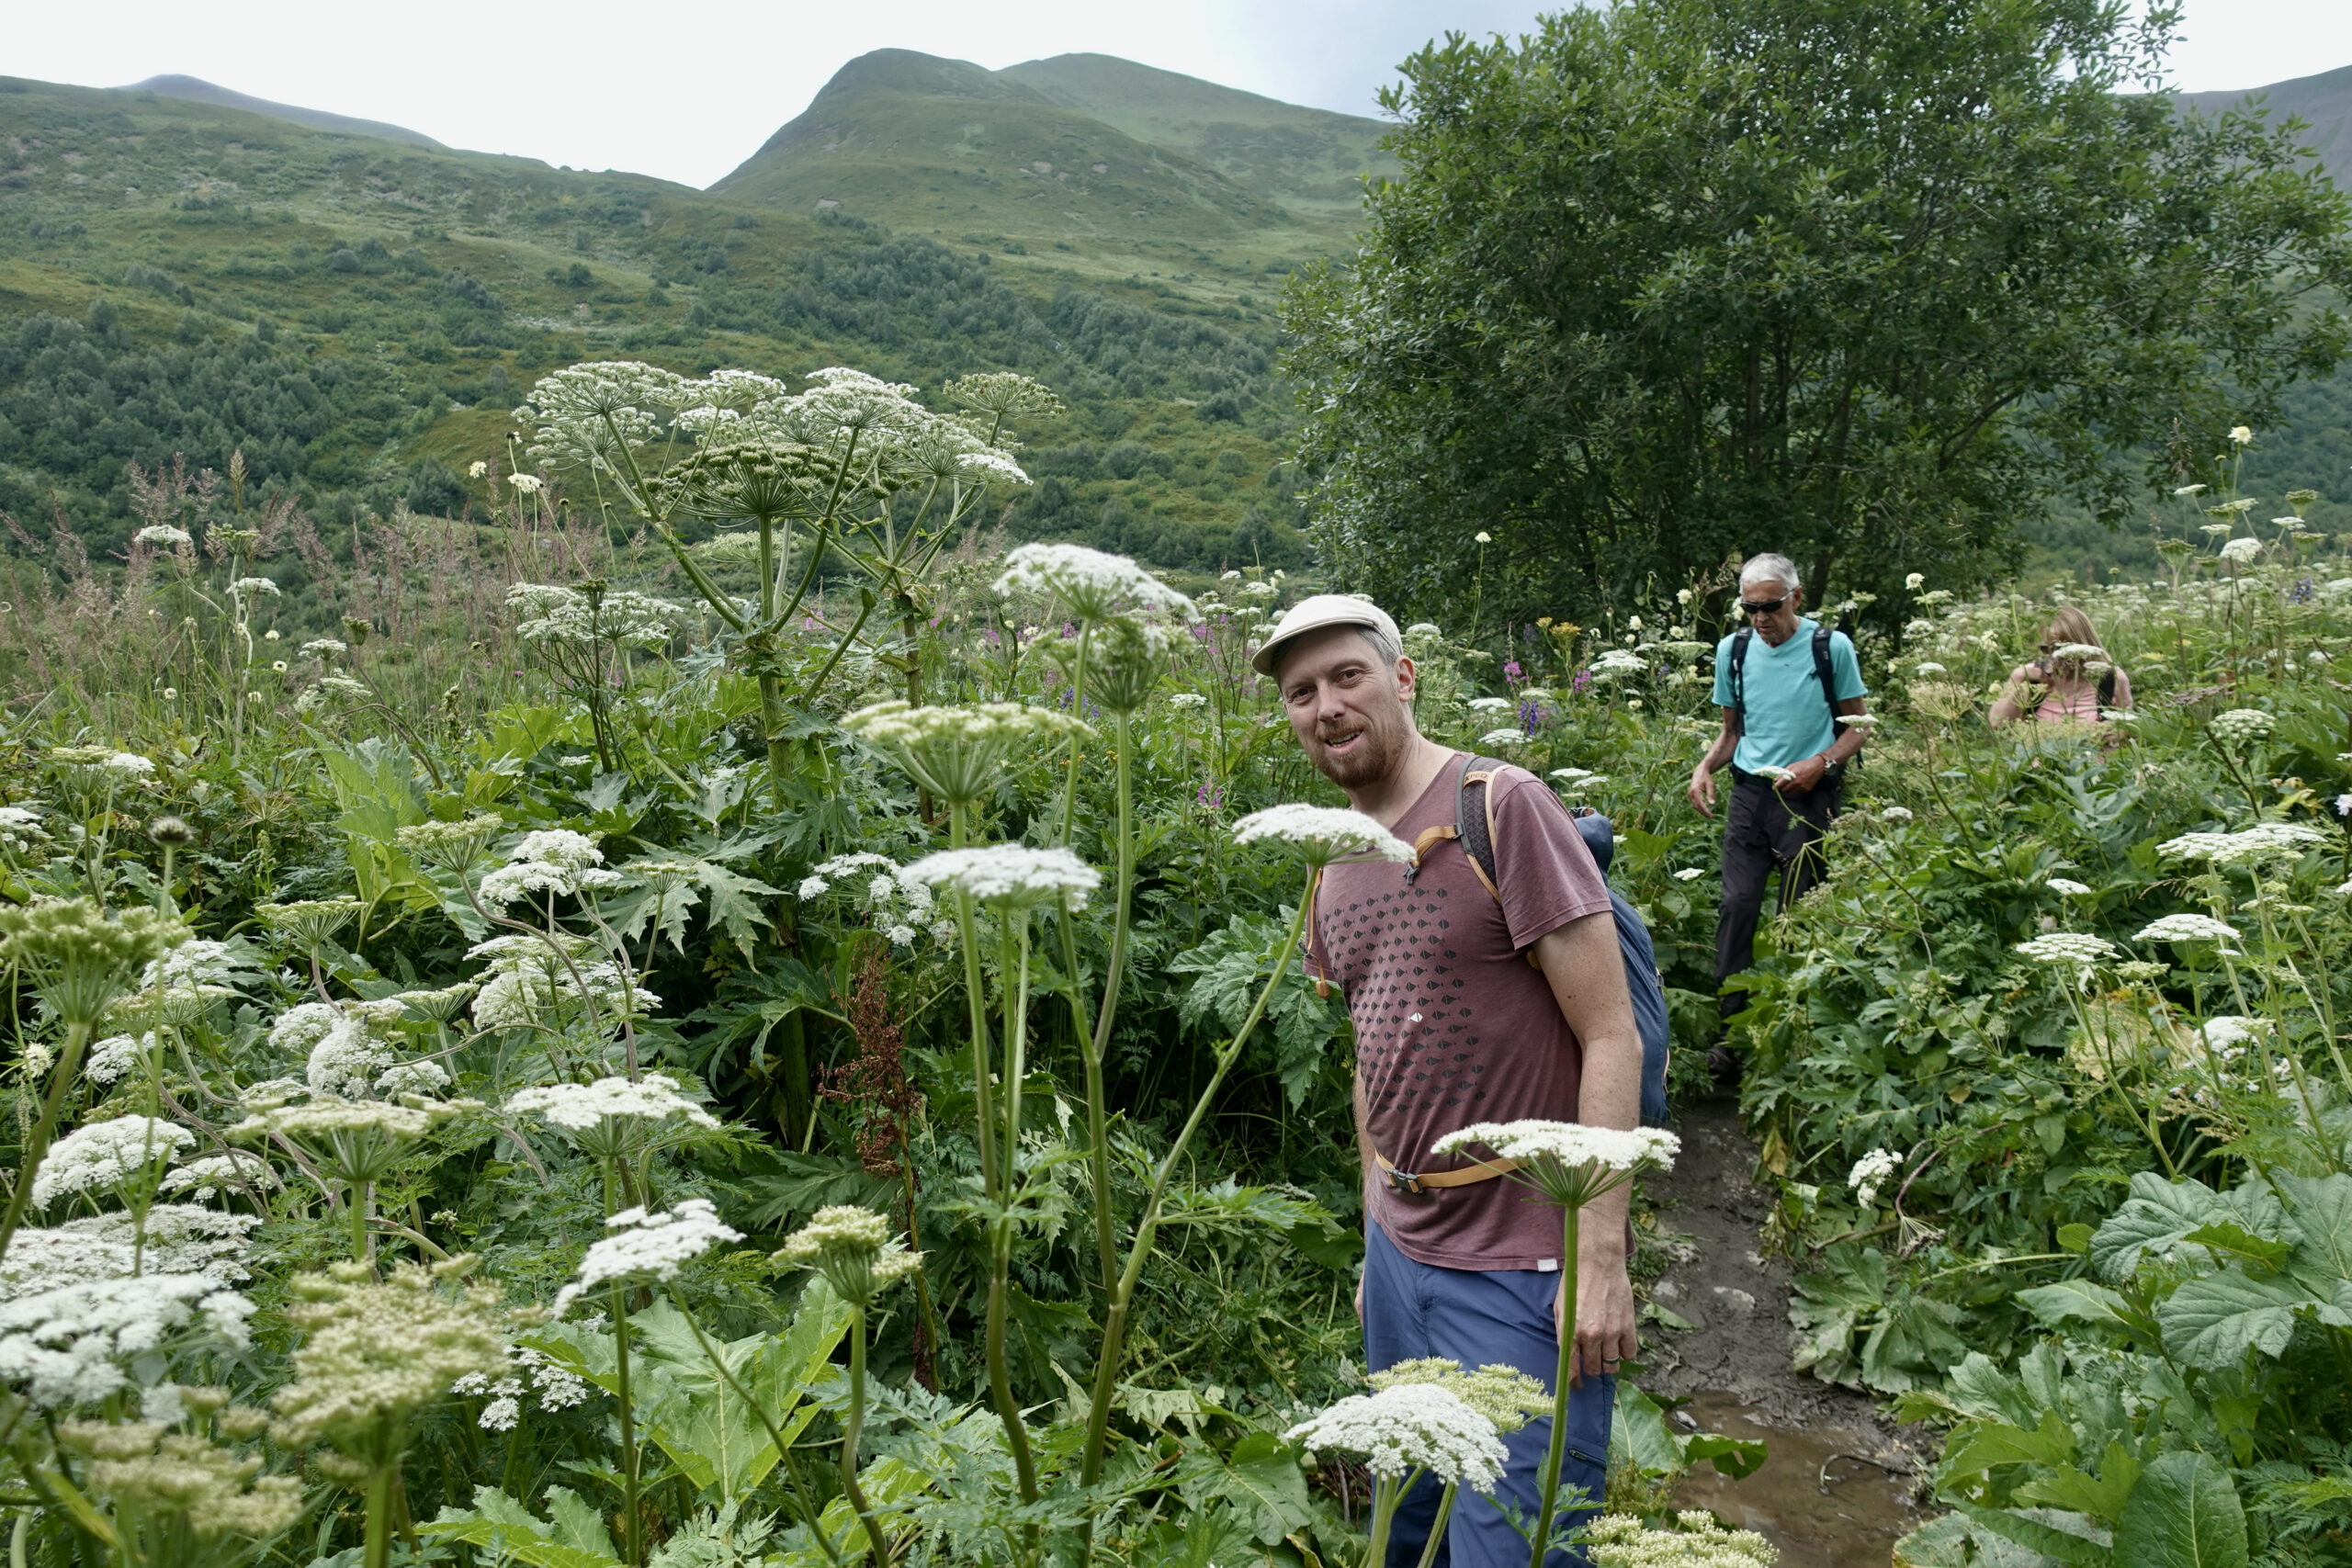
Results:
x,y
1372,758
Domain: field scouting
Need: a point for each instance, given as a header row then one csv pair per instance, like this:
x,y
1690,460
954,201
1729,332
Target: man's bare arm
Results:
x,y
1702,777
1587,972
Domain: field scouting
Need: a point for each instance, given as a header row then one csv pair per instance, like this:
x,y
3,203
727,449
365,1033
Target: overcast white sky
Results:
x,y
686,91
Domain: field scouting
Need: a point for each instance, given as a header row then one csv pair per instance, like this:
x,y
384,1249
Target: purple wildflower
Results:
x,y
1513,673
1583,681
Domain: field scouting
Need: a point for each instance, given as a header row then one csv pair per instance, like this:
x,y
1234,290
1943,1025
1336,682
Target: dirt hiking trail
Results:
x,y
1836,1492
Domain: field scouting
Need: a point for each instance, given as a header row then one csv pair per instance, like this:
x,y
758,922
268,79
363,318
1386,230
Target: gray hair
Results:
x,y
1770,568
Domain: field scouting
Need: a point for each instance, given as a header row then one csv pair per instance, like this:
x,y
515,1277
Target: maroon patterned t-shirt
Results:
x,y
1453,1024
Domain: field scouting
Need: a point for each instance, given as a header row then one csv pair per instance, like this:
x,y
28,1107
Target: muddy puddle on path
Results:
x,y
1731,1370
1852,1522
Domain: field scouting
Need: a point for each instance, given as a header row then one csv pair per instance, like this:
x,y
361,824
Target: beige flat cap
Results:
x,y
1315,613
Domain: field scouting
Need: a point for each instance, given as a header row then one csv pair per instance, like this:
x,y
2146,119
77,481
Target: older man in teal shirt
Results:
x,y
1785,685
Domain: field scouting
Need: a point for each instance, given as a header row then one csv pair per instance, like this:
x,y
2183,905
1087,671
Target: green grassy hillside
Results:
x,y
357,315
1116,167
1310,160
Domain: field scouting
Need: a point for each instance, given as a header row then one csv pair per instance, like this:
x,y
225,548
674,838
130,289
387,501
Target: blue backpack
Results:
x,y
1475,827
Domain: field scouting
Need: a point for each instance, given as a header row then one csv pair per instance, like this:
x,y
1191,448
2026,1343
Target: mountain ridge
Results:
x,y
2324,99
1066,152
197,90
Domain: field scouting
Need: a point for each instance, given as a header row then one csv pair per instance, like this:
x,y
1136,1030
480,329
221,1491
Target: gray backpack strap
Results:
x,y
1473,820
1739,641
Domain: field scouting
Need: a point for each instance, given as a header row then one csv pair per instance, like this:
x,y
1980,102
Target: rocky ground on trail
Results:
x,y
1838,1489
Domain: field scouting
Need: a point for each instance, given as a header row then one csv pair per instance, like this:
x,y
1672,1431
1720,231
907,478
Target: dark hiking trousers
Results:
x,y
1765,829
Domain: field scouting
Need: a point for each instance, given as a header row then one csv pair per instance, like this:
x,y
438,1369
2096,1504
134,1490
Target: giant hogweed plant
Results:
x,y
851,470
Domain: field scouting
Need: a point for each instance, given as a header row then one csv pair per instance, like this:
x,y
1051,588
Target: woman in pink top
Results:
x,y
2074,676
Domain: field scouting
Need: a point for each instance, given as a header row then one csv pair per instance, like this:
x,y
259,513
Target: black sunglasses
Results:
x,y
1766,608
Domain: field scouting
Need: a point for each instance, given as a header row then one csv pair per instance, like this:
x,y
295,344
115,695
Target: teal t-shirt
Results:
x,y
1787,719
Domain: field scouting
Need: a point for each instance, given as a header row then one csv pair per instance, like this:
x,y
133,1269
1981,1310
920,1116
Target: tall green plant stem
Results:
x,y
1063,820
993,1183
853,1431
1557,1448
1437,1526
1386,1494
62,1075
359,1197
1123,1294
2147,1127
381,1482
1013,977
1094,1038
632,1529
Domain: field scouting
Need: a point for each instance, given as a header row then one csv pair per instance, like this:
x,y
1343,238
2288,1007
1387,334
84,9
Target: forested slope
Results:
x,y
357,315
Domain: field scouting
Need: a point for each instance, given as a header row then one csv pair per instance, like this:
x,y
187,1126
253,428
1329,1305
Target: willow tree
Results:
x,y
1865,281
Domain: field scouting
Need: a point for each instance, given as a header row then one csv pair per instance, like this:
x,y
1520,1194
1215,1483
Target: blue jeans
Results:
x,y
1479,1317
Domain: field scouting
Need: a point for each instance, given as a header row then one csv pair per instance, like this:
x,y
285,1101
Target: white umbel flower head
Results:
x,y
956,752
554,860
1697,1540
106,1153
2078,950
1009,876
1089,584
66,1347
1324,834
2069,886
1411,1428
2238,726
179,1238
1569,1163
1870,1173
2188,927
614,1117
853,1249
2265,842
648,1245
1503,1395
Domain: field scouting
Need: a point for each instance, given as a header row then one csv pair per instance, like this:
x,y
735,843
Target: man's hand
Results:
x,y
1556,1311
1800,778
1702,789
1605,1336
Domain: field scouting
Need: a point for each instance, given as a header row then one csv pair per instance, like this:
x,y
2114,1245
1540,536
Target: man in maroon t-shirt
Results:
x,y
1468,1006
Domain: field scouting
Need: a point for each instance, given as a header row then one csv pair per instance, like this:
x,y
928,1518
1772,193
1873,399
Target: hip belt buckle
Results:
x,y
1407,1182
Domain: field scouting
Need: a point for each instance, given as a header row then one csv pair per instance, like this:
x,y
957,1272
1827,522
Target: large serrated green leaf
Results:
x,y
2085,1300
2039,1529
1262,1481
2101,1497
1998,1442
2212,1322
2156,1215
2183,1514
2323,1211
507,1529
